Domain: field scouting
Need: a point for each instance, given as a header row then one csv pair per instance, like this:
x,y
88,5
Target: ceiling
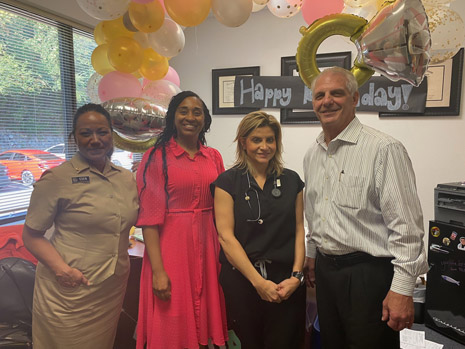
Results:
x,y
67,9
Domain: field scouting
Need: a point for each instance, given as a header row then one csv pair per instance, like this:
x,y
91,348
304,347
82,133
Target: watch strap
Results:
x,y
299,275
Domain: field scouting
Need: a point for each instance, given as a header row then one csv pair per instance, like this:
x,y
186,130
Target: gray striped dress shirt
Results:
x,y
360,195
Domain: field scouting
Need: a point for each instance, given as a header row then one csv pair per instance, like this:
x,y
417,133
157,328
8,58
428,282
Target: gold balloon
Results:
x,y
132,146
99,60
335,24
125,55
114,29
148,18
188,13
154,66
98,34
358,3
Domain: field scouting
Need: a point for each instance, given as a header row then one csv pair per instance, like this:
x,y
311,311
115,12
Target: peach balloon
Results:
x,y
188,13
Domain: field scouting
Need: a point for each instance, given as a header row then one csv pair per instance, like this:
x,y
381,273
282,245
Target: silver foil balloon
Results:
x,y
397,42
136,119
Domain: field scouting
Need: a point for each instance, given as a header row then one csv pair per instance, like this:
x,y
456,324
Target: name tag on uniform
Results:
x,y
83,179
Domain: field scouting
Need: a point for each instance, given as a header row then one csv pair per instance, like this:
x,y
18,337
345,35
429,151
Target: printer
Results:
x,y
449,203
445,288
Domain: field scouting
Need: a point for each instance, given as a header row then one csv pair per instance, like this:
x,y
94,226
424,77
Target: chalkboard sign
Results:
x,y
379,94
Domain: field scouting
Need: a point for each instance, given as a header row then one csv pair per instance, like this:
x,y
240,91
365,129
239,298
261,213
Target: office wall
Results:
x,y
436,144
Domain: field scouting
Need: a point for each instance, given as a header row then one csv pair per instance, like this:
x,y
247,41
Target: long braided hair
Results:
x,y
170,131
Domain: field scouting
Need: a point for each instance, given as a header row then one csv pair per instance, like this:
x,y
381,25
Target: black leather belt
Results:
x,y
351,258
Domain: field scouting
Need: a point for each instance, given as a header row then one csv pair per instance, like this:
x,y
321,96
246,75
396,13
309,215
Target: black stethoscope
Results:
x,y
276,193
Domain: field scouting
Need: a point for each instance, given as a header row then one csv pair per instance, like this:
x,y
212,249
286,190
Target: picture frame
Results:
x,y
444,89
223,90
289,68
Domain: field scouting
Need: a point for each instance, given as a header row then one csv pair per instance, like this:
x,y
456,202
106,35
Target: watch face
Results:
x,y
299,275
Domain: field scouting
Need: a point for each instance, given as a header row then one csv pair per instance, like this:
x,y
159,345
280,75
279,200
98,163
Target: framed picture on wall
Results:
x,y
223,89
444,88
289,68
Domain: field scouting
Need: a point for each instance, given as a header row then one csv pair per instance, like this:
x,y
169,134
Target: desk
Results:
x,y
128,319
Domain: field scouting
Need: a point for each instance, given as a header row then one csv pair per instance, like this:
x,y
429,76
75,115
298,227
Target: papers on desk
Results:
x,y
410,339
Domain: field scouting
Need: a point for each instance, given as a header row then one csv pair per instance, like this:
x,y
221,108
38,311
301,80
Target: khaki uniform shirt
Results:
x,y
92,212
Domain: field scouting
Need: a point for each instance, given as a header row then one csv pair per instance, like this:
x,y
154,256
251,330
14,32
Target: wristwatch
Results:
x,y
299,275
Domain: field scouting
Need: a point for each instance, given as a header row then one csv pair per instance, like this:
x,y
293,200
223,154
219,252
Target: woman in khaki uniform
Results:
x,y
83,269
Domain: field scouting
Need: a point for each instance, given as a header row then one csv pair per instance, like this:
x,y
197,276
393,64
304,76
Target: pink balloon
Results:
x,y
116,84
145,82
172,76
160,92
315,9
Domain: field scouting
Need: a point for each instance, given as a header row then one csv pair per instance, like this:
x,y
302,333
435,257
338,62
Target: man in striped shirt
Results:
x,y
365,223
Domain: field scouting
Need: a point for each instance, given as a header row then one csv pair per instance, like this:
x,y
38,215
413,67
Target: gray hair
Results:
x,y
351,82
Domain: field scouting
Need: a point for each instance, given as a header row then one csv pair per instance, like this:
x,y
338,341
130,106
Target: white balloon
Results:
x,y
160,92
285,8
256,7
367,11
169,40
232,13
436,2
142,39
92,88
104,9
447,32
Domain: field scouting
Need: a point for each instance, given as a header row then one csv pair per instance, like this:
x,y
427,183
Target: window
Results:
x,y
44,69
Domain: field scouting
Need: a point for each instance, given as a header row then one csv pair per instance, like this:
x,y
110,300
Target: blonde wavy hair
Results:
x,y
249,123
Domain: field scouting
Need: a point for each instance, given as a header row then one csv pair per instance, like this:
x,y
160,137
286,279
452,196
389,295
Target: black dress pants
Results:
x,y
350,291
260,324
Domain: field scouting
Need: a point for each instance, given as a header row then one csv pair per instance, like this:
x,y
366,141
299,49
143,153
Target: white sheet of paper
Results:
x,y
412,337
433,345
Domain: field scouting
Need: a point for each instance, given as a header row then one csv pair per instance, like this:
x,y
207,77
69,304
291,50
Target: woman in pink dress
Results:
x,y
181,302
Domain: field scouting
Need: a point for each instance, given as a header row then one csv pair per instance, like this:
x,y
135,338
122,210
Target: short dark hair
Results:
x,y
91,107
87,108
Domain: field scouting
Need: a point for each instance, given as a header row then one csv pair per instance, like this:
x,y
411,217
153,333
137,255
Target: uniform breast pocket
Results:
x,y
349,192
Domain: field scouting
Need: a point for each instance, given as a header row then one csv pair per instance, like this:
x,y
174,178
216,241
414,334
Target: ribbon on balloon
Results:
x,y
395,43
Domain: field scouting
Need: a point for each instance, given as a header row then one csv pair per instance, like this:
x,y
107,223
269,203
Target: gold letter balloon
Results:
x,y
395,43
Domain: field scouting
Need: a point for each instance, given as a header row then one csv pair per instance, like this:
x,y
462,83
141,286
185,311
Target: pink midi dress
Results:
x,y
189,248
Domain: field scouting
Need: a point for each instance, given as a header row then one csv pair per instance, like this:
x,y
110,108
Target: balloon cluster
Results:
x,y
135,42
445,25
396,42
235,13
136,39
